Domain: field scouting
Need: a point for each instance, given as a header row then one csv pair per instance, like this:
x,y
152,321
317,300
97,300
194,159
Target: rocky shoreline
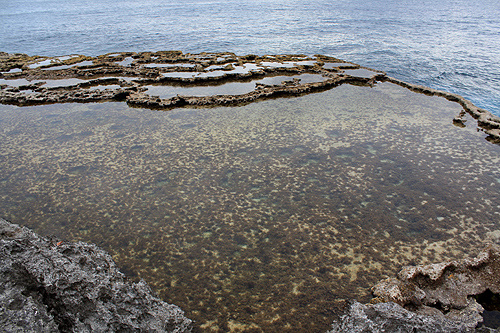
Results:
x,y
444,297
35,80
56,285
48,285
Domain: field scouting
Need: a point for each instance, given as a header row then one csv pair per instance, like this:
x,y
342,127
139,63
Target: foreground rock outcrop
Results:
x,y
49,286
430,298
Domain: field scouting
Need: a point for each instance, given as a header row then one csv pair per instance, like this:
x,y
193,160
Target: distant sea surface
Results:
x,y
451,45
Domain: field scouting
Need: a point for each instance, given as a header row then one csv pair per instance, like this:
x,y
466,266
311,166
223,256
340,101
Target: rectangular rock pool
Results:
x,y
260,217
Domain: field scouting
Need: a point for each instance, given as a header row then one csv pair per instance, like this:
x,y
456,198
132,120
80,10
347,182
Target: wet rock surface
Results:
x,y
126,76
49,286
133,71
445,297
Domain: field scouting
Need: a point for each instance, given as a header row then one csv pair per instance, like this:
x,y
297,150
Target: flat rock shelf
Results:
x,y
131,77
276,189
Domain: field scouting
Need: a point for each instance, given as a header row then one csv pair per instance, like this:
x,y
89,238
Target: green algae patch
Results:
x,y
263,217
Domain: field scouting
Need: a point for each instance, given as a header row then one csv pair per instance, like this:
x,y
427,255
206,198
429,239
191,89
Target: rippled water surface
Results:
x,y
450,45
264,216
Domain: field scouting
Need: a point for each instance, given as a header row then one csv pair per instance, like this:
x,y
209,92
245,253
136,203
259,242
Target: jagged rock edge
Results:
x,y
47,285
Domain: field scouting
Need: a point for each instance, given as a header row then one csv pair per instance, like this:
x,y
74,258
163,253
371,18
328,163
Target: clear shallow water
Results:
x,y
232,88
450,45
264,216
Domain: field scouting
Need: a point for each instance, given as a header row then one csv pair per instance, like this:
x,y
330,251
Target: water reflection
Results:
x,y
360,72
104,87
13,70
78,64
332,65
288,64
179,74
47,83
244,69
231,88
262,216
126,62
169,65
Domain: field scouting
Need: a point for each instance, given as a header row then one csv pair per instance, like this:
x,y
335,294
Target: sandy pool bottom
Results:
x,y
262,217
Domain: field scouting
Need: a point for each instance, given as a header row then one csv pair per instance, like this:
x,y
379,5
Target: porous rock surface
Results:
x,y
127,82
391,317
51,286
428,298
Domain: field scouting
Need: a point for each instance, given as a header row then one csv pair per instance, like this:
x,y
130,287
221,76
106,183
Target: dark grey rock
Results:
x,y
49,286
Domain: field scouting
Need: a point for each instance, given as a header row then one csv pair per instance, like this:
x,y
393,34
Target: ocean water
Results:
x,y
450,45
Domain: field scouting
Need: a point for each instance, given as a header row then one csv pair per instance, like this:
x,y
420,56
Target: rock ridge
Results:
x,y
126,77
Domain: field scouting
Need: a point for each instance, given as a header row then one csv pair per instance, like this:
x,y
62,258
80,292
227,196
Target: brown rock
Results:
x,y
450,287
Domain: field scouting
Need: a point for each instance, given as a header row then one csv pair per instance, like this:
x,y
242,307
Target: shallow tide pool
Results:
x,y
260,217
230,88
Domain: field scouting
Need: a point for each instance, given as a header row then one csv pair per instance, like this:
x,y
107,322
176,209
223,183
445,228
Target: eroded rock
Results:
x,y
33,80
49,286
438,297
125,76
449,285
391,317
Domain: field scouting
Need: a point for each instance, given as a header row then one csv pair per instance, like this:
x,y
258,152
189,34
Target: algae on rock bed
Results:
x,y
260,217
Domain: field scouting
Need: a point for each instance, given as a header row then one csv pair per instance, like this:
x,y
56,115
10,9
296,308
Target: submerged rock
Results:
x,y
48,286
439,297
